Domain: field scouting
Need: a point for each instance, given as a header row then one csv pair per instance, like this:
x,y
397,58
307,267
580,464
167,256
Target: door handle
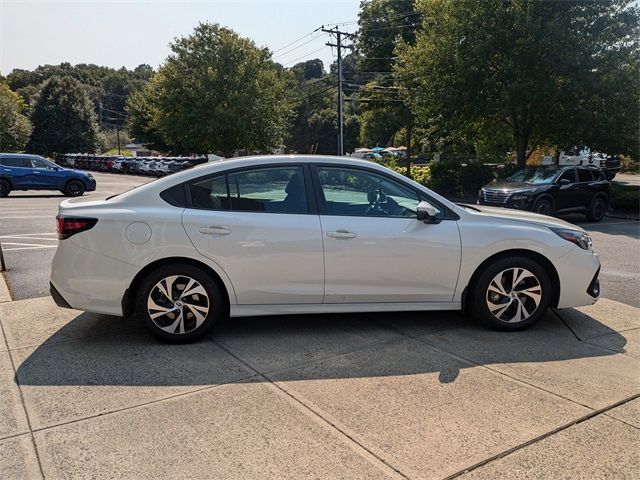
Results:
x,y
214,230
341,234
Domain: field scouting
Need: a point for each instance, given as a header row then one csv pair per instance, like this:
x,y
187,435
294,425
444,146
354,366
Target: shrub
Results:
x,y
625,197
444,177
420,174
473,177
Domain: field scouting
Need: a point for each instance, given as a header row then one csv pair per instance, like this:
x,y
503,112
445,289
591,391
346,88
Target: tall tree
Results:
x,y
15,127
558,72
63,119
218,92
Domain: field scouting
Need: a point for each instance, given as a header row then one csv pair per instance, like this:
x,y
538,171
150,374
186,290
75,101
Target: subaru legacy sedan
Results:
x,y
310,234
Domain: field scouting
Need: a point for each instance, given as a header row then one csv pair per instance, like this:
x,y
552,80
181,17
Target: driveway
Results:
x,y
628,178
341,396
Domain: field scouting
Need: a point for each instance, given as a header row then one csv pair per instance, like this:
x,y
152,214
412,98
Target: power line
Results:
x,y
295,48
303,56
295,41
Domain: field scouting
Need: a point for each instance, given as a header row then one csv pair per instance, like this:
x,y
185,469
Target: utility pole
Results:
x,y
339,46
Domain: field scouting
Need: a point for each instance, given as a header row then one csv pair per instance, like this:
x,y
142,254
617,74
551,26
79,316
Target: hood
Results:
x,y
524,216
510,186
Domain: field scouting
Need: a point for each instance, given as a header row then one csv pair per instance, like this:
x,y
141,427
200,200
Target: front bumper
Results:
x,y
578,272
520,204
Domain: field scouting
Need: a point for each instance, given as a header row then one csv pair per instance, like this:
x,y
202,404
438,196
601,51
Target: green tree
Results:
x,y
15,127
218,92
309,69
63,119
556,71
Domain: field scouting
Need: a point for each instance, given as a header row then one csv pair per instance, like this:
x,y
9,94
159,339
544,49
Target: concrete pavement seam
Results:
x,y
539,438
24,408
621,421
5,294
324,420
555,312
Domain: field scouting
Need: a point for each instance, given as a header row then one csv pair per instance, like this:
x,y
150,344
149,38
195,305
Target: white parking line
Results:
x,y
31,216
20,237
28,248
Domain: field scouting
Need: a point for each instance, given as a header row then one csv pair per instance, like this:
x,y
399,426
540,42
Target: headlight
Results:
x,y
581,239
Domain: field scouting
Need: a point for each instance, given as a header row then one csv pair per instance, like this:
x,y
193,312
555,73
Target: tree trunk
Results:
x,y
409,130
522,142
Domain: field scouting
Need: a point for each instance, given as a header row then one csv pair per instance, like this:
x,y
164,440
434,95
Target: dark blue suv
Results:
x,y
20,171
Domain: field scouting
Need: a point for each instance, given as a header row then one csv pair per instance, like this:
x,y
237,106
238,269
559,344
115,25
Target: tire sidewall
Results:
x,y
217,303
479,292
592,215
540,200
79,193
5,188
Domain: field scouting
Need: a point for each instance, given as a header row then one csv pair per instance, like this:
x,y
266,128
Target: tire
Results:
x,y
74,188
187,318
543,206
495,302
5,188
598,207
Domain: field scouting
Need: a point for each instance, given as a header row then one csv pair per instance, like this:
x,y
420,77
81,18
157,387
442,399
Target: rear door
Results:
x,y
18,169
261,226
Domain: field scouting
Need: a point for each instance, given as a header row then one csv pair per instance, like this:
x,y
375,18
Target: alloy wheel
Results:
x,y
599,208
514,295
544,208
178,304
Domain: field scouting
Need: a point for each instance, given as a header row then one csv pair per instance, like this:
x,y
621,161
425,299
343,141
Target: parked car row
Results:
x,y
152,166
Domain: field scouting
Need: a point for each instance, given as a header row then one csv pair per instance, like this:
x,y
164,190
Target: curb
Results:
x,y
5,296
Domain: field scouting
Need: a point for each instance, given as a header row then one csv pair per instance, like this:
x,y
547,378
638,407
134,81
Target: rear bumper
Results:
x,y
89,281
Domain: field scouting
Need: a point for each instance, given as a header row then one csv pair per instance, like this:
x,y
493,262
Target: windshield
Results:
x,y
534,175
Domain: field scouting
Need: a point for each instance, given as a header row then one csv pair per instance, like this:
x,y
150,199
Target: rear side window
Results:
x,y
584,175
270,190
15,162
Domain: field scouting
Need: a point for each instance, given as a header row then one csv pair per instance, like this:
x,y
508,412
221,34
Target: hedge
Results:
x,y
625,198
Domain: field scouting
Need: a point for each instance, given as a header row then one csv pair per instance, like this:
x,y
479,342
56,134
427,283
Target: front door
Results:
x,y
258,226
375,248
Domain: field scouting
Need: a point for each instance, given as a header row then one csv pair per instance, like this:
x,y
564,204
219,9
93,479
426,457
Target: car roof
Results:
x,y
21,155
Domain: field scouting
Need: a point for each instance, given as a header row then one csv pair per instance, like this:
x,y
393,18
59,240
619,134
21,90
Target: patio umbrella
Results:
x,y
363,150
377,149
401,149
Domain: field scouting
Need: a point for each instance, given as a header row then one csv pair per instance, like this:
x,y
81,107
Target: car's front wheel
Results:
x,y
597,208
5,188
511,293
179,303
543,206
74,188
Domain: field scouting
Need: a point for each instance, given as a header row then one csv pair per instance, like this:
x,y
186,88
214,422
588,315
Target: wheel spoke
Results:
x,y
199,316
532,292
177,324
152,305
518,276
496,286
499,309
197,289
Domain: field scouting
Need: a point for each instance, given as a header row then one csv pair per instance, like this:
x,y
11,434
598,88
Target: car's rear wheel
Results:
x,y
597,208
74,188
543,206
511,293
179,303
5,188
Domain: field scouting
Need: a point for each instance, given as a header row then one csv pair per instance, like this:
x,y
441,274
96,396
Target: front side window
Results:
x,y
361,193
271,190
40,163
567,175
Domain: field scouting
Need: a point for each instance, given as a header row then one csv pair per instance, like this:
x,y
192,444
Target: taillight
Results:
x,y
68,226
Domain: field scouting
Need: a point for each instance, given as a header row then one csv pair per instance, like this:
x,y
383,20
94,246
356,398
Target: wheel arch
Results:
x,y
535,256
129,297
8,180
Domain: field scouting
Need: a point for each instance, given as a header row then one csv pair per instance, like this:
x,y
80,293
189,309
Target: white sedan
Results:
x,y
310,234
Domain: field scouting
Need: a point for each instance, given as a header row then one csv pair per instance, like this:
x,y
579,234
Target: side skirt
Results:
x,y
291,309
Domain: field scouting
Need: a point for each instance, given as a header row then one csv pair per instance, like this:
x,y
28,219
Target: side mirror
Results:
x,y
564,181
427,213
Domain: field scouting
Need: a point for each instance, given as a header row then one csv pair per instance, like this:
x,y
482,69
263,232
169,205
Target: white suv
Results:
x,y
310,234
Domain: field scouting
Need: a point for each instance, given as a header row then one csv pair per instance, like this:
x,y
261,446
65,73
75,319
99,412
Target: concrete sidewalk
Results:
x,y
340,396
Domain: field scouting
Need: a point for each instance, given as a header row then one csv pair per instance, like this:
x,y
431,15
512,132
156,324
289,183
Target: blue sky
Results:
x,y
116,33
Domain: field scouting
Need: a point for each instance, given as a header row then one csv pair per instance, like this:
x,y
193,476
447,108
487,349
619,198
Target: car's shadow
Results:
x,y
113,352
